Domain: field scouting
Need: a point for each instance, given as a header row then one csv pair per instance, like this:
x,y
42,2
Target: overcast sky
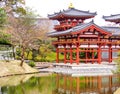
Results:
x,y
102,7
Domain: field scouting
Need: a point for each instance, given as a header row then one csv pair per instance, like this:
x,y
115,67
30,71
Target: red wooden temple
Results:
x,y
84,42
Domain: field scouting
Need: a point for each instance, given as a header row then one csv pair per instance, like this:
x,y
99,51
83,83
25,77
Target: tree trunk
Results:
x,y
22,56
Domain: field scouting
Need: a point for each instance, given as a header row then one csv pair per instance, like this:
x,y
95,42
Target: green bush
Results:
x,y
51,57
37,58
31,63
42,60
30,55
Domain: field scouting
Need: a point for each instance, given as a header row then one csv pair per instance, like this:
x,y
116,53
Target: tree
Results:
x,y
13,7
26,30
3,17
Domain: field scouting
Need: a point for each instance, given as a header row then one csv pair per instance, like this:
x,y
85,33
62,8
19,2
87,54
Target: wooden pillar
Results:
x,y
110,53
99,50
57,81
78,85
99,53
99,82
77,53
110,82
64,54
86,55
70,54
57,54
71,84
86,82
65,83
93,56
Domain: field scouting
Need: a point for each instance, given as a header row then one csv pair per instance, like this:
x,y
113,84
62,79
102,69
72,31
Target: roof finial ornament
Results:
x,y
71,5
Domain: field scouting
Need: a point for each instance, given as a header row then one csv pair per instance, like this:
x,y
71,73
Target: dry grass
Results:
x,y
13,67
117,91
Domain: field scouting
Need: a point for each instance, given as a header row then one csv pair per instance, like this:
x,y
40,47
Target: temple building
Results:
x,y
112,18
66,84
84,42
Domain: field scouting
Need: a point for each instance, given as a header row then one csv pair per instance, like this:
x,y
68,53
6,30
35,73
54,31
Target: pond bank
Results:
x,y
13,68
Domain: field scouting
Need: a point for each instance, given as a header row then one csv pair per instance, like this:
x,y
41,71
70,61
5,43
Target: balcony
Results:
x,y
84,42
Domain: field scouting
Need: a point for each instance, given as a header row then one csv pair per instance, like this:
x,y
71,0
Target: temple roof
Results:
x,y
72,13
114,30
112,18
79,28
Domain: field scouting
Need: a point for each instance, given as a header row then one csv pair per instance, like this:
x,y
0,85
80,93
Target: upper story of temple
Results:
x,y
70,18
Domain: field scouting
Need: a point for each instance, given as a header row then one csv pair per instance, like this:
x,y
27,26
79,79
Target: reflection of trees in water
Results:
x,y
77,85
35,85
60,84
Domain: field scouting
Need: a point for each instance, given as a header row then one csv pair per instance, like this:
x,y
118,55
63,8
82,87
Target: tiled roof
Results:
x,y
112,17
114,30
76,28
73,12
58,33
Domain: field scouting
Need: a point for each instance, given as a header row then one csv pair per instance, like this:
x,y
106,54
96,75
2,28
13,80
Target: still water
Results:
x,y
59,84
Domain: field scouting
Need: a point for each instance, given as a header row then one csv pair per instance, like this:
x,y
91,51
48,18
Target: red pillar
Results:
x,y
71,83
99,82
78,85
64,54
93,56
99,50
57,80
77,53
99,54
65,82
57,54
110,53
86,55
70,54
110,82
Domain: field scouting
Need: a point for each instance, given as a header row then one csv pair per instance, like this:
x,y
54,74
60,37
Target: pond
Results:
x,y
47,83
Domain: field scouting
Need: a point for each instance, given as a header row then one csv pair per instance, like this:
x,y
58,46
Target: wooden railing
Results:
x,y
85,42
62,26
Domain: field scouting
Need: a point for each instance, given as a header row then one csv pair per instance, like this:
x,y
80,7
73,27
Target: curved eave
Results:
x,y
63,16
59,33
80,29
112,18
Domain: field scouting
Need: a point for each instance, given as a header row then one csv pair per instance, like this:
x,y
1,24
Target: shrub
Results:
x,y
31,63
30,55
37,58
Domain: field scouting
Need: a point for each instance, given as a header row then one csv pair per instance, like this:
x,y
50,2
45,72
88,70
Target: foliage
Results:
x,y
3,17
28,55
35,85
52,57
31,63
37,58
13,6
4,38
26,30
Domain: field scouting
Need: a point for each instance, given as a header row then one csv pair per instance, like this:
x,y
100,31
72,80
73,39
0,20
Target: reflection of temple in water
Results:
x,y
86,85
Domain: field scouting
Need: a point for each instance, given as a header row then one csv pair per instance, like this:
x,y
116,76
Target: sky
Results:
x,y
102,7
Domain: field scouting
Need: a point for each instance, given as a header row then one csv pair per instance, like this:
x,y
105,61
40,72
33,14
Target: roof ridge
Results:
x,y
73,12
82,11
111,15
